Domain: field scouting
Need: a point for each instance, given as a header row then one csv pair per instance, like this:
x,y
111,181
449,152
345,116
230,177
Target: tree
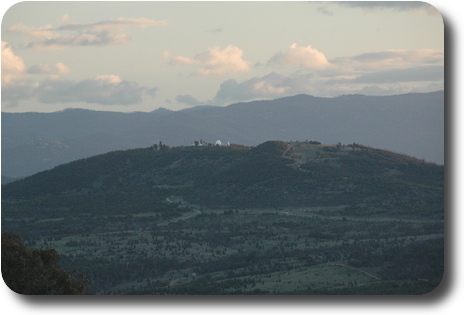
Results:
x,y
35,272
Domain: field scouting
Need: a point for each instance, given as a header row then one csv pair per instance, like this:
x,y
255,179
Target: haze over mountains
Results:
x,y
412,124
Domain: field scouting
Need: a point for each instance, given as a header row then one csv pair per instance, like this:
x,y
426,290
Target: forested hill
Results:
x,y
272,174
278,218
412,124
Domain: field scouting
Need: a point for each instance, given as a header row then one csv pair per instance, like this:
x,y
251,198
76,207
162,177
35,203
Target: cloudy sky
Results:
x,y
123,56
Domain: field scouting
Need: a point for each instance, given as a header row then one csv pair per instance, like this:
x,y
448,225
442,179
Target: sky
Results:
x,y
140,56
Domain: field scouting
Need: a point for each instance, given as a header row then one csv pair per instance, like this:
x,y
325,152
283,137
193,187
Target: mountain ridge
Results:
x,y
408,123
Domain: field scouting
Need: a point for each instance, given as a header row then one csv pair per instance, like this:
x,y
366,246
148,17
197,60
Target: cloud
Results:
x,y
12,66
387,60
15,92
272,85
215,62
64,18
385,72
35,33
422,78
325,10
18,85
55,69
403,56
180,60
189,100
216,30
152,91
410,6
303,57
415,74
107,32
386,82
118,23
103,90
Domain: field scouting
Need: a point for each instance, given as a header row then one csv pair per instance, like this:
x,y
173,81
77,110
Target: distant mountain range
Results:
x,y
412,124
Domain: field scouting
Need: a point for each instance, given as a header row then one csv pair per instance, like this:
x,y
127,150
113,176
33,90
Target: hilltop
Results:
x,y
272,174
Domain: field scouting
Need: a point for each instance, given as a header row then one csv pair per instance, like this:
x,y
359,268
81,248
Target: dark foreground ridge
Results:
x,y
278,218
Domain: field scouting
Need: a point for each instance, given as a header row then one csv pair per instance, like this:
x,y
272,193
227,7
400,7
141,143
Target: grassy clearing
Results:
x,y
322,276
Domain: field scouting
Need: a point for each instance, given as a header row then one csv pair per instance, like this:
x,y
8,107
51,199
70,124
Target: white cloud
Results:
x,y
12,66
42,33
119,24
216,30
425,75
303,57
423,78
180,60
264,87
104,89
64,18
411,56
18,84
189,100
344,68
16,91
407,6
108,79
392,59
415,74
215,62
107,32
272,85
55,69
325,11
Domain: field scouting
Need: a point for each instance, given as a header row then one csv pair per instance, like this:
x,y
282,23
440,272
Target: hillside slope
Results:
x,y
273,174
278,218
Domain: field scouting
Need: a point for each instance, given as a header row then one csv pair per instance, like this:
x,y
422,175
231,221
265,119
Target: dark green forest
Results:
x,y
35,272
278,218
